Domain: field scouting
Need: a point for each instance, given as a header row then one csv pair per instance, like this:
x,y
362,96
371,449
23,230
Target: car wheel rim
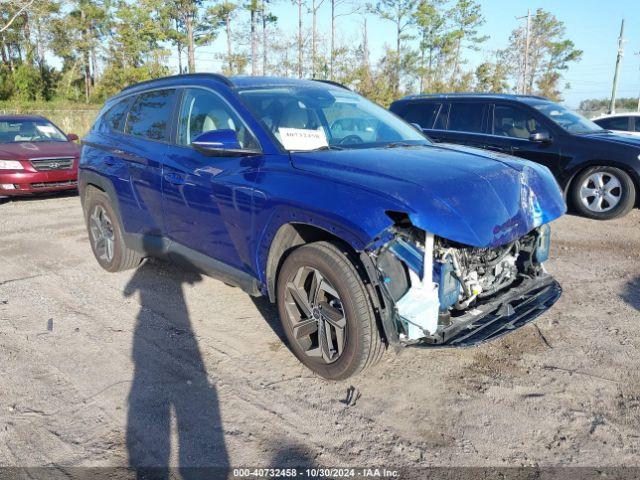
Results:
x,y
102,233
601,192
316,315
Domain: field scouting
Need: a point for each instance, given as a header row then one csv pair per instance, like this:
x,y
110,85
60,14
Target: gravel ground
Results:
x,y
161,366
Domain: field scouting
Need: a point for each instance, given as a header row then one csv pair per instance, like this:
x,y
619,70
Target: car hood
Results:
x,y
614,137
28,150
467,195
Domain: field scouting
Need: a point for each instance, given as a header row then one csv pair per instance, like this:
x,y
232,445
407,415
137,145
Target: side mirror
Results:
x,y
72,137
221,143
540,137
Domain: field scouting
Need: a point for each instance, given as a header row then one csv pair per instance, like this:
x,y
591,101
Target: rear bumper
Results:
x,y
508,312
28,183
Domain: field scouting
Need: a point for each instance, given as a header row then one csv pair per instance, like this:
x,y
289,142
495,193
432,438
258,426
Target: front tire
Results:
x,y
326,312
603,193
105,233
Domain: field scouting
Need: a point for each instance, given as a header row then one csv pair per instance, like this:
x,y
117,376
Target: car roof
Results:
x,y
13,118
474,96
247,81
621,114
240,81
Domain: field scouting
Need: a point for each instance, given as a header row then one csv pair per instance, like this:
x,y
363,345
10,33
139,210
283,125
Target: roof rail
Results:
x,y
472,94
331,82
216,76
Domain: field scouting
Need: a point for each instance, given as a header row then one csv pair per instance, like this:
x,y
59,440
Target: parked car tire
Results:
x,y
326,312
105,234
603,193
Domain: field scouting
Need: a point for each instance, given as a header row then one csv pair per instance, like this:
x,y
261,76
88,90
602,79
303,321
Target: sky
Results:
x,y
593,25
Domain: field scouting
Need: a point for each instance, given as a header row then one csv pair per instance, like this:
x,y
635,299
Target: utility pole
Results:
x,y
612,104
638,54
527,44
526,52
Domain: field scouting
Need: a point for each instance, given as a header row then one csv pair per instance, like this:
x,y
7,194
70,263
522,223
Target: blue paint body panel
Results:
x,y
230,208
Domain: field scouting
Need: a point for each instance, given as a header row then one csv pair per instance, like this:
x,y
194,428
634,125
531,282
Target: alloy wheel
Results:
x,y
316,314
601,192
102,233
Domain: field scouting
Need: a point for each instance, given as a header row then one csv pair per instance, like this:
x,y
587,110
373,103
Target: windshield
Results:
x,y
566,119
35,130
309,118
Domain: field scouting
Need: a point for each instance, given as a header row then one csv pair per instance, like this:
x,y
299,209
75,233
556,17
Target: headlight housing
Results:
x,y
10,165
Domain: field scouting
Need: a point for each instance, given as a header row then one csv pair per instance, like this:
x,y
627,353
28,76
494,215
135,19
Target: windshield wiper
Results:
x,y
398,145
325,147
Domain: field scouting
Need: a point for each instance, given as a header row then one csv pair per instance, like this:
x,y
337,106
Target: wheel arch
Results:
x,y
88,178
635,177
287,238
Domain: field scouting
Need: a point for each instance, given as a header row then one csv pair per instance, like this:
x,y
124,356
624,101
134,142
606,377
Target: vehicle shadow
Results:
x,y
631,293
269,312
171,389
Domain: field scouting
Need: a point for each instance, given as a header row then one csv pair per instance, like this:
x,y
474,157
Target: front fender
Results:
x,y
352,214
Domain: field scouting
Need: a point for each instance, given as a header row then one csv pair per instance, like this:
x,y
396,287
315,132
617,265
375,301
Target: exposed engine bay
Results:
x,y
436,283
483,272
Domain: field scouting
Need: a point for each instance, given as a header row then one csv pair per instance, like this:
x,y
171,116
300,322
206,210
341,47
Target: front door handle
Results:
x,y
174,178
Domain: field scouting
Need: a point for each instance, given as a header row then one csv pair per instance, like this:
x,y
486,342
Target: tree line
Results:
x,y
601,105
105,45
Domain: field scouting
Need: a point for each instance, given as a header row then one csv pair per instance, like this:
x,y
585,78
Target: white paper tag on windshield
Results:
x,y
48,129
302,139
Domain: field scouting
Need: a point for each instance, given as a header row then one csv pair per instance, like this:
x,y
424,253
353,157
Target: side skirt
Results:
x,y
156,246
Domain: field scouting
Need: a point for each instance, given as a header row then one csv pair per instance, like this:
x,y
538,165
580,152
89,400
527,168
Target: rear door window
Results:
x,y
442,117
467,117
614,123
150,114
114,119
421,113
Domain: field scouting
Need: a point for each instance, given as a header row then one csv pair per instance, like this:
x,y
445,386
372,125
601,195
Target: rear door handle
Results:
x,y
174,178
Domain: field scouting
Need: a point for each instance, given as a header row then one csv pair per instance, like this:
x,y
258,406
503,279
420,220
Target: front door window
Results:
x,y
514,122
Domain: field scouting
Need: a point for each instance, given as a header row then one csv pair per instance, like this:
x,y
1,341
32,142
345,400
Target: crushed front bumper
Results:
x,y
497,317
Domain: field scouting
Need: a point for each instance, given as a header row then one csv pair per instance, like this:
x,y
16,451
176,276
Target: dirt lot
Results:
x,y
162,365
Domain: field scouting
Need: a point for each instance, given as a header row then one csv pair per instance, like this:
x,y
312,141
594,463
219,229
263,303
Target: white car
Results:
x,y
627,123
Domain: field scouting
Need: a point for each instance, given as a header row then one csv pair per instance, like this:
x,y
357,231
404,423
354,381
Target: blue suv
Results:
x,y
365,234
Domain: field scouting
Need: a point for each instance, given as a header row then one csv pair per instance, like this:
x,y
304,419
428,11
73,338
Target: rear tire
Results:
x,y
105,233
320,292
603,193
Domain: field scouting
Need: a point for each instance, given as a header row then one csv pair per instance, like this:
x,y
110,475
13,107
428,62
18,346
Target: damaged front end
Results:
x,y
431,291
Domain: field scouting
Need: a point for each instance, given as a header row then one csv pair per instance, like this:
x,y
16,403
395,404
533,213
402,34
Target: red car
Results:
x,y
36,156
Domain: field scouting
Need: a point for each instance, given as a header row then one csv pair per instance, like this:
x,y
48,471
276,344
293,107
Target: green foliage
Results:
x,y
491,77
7,87
105,45
117,76
32,83
602,104
550,53
402,14
27,83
